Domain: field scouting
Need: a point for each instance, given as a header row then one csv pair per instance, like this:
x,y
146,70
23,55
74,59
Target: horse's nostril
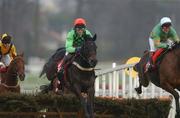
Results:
x,y
22,76
93,62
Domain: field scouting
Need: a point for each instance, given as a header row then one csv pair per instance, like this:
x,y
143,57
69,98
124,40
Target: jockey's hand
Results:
x,y
170,45
77,50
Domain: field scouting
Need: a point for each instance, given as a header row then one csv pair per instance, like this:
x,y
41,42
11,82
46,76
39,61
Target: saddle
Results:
x,y
158,56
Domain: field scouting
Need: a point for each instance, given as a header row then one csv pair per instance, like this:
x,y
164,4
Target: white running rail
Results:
x,y
118,82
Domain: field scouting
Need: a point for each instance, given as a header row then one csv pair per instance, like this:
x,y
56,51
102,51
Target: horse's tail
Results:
x,y
43,71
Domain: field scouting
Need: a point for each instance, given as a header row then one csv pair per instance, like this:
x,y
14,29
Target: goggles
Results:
x,y
78,29
166,25
6,40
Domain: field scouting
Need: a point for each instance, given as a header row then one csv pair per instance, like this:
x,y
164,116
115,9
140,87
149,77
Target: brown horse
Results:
x,y
9,80
166,75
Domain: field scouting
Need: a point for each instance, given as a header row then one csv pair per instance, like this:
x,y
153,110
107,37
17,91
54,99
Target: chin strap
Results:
x,y
82,68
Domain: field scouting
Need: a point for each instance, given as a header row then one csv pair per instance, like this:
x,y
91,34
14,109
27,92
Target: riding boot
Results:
x,y
64,61
149,65
60,74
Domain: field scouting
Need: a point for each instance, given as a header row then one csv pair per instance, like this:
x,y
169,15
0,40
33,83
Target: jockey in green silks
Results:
x,y
74,41
162,36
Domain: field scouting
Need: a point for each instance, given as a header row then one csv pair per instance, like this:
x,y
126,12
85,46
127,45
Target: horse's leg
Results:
x,y
170,89
55,85
139,88
83,101
143,81
90,102
18,89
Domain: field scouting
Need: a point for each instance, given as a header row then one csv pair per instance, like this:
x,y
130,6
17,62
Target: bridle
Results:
x,y
15,68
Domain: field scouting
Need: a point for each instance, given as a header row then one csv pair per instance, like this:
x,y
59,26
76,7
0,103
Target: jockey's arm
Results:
x,y
69,43
13,52
159,44
174,35
176,39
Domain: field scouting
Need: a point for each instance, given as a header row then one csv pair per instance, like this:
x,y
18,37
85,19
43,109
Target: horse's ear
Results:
x,y
94,37
21,54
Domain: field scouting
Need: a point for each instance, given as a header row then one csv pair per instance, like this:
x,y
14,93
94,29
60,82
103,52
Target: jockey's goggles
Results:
x,y
80,26
6,40
166,25
77,29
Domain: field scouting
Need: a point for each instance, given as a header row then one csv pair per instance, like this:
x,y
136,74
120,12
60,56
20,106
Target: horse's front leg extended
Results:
x,y
82,99
139,89
90,102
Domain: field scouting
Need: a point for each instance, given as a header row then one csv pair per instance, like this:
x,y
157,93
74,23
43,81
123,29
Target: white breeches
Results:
x,y
152,46
6,59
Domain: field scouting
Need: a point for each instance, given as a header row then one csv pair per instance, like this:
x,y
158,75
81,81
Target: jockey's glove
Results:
x,y
77,50
170,45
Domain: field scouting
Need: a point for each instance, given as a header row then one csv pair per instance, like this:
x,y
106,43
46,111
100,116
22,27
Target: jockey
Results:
x,y
162,36
7,51
74,41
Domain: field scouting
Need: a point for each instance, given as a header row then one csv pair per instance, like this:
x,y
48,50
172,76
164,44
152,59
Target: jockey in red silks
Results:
x,y
162,36
7,52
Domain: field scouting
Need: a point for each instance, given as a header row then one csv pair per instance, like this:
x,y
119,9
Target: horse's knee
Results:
x,y
144,82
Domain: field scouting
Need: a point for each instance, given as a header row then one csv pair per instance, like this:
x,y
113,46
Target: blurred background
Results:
x,y
39,27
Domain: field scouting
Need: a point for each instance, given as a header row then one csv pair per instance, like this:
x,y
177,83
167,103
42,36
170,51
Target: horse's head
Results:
x,y
17,66
88,50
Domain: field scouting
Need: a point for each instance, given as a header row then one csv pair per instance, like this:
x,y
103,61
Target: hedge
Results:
x,y
119,108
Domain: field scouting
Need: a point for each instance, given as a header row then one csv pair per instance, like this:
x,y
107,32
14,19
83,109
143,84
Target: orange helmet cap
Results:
x,y
79,21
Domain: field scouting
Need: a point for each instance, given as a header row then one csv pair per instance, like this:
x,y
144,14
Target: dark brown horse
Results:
x,y
50,70
9,80
79,75
166,75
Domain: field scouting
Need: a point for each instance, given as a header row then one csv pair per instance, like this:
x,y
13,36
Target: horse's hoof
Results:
x,y
138,90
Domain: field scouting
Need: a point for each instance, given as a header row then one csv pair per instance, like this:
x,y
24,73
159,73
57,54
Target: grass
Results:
x,y
32,81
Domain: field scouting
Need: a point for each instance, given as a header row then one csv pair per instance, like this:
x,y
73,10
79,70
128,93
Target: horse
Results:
x,y
165,75
9,79
50,71
79,75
